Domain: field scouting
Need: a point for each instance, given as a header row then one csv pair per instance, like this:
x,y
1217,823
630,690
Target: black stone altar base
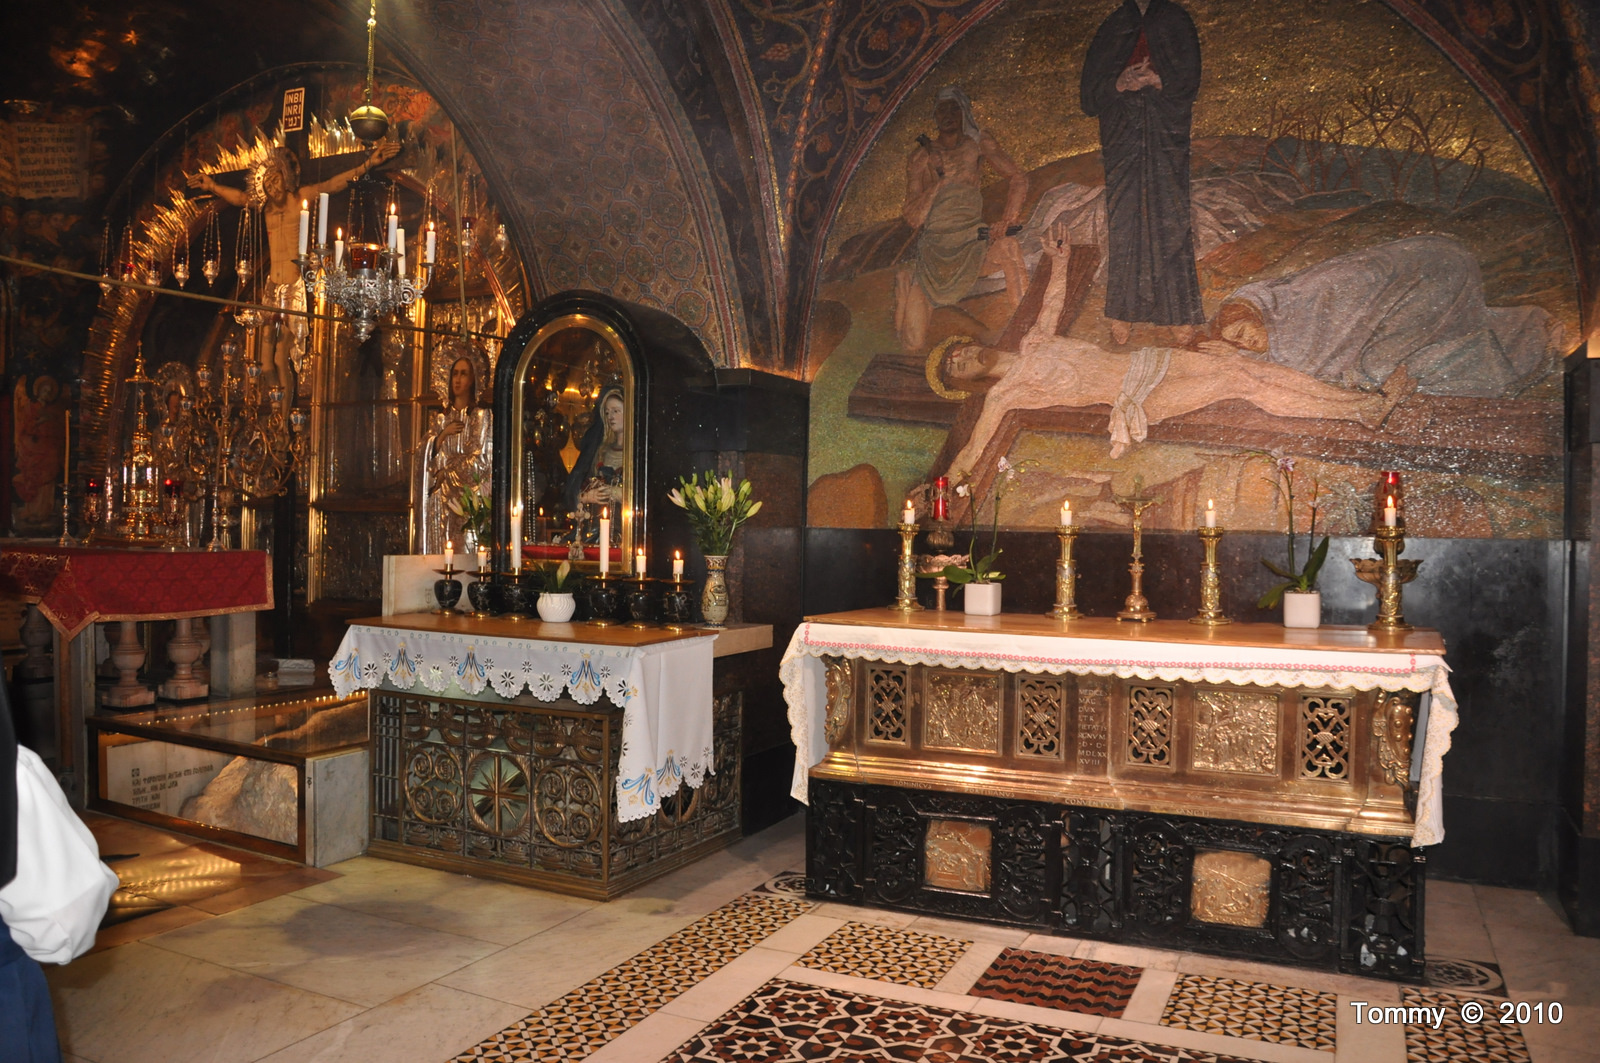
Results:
x,y
1339,902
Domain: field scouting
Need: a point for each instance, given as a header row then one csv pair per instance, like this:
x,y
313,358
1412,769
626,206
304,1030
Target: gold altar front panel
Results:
x,y
1330,759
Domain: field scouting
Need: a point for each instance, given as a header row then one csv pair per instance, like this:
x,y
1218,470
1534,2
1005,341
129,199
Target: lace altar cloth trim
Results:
x,y
804,689
664,692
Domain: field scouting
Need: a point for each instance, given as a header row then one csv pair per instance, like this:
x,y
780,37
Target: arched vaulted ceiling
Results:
x,y
692,153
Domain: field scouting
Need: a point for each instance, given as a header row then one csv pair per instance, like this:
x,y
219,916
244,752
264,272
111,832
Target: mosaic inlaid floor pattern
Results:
x,y
788,1021
597,1011
1091,987
1456,1040
886,954
1465,976
1254,1011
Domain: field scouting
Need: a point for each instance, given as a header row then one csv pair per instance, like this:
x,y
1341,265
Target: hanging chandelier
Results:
x,y
373,284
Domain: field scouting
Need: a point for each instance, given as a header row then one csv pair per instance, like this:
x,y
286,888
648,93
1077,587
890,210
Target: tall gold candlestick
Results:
x,y
1388,575
1066,607
1137,606
1210,581
906,599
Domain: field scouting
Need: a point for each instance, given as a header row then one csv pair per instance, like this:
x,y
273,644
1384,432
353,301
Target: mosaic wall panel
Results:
x,y
1255,256
608,194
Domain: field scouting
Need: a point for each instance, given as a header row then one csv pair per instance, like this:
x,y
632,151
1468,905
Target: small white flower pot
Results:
x,y
1302,609
982,599
556,607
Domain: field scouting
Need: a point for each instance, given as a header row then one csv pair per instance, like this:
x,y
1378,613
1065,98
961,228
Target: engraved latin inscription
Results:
x,y
1150,726
1094,710
963,712
1231,888
956,855
1041,702
1236,731
887,690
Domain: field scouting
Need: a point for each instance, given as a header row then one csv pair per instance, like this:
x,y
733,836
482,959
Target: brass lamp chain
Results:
x,y
372,32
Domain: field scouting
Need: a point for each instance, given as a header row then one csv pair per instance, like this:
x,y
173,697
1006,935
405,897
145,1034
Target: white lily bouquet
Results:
x,y
716,509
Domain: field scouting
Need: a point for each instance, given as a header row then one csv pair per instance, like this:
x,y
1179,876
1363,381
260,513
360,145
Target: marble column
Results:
x,y
1579,841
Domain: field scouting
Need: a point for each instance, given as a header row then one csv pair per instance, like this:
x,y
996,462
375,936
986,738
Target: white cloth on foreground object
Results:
x,y
54,905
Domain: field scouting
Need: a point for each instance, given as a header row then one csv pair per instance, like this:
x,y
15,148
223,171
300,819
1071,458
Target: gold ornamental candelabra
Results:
x,y
1388,574
906,598
234,438
1066,607
1210,581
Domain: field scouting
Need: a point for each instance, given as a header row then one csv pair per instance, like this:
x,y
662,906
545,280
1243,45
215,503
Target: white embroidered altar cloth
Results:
x,y
664,691
804,687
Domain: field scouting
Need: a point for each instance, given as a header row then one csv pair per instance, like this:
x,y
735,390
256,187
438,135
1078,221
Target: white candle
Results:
x,y
639,562
400,250
483,558
516,538
449,552
677,564
605,540
338,249
1211,513
909,516
1066,513
394,224
427,253
1389,514
322,219
305,226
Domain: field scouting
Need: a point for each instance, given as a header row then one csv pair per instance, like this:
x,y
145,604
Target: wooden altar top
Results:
x,y
501,628
1343,637
738,637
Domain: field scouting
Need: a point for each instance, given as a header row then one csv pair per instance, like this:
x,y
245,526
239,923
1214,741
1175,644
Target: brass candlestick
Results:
x,y
1066,607
906,600
1137,605
1210,581
1388,575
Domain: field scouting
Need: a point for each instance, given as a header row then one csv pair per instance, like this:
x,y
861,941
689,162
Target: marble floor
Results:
x,y
215,955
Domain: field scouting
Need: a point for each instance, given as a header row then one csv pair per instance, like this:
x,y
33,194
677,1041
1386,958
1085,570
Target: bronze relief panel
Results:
x,y
956,855
1231,888
1235,731
963,712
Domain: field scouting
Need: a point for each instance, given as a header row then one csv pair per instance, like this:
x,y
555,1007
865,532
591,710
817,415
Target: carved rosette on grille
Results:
x,y
1236,731
1041,707
1325,737
888,690
963,712
840,680
1394,726
497,792
956,855
1150,726
1231,888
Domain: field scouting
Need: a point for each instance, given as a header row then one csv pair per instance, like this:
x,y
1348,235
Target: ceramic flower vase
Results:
x,y
714,598
1302,609
981,599
556,607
